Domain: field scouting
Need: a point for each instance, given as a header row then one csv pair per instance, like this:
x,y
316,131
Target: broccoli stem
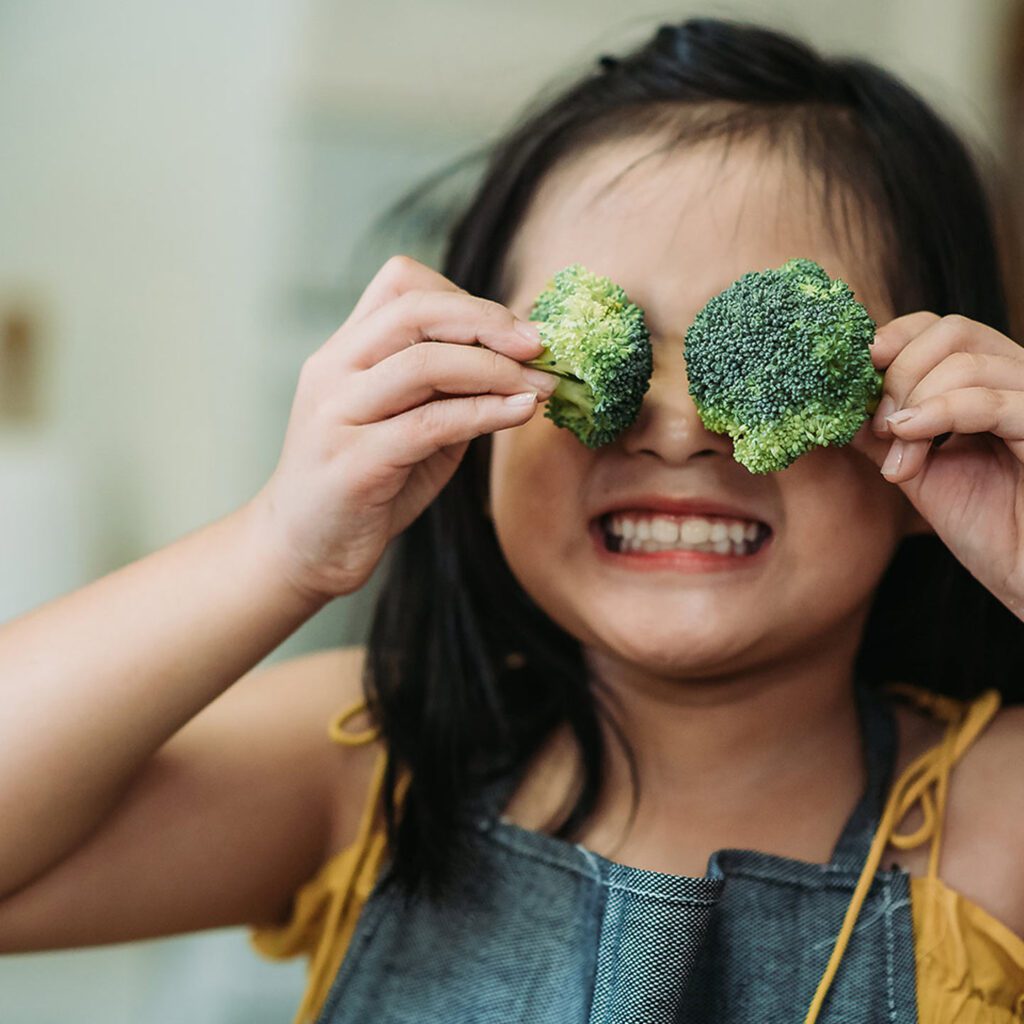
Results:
x,y
553,368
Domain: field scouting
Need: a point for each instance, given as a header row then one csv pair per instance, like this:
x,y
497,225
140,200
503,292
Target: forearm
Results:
x,y
95,681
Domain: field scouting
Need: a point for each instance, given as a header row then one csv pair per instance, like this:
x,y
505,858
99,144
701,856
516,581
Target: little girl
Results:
x,y
597,781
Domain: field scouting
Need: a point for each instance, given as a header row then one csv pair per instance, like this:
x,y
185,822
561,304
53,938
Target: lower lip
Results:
x,y
678,560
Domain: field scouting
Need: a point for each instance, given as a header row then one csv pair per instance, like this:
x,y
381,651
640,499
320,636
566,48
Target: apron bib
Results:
x,y
540,930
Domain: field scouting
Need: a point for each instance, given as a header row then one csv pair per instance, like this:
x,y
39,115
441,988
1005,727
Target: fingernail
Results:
x,y
902,416
893,460
528,330
539,379
885,407
524,398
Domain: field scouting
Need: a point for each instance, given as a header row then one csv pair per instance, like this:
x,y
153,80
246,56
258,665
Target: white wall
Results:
x,y
142,205
424,63
142,200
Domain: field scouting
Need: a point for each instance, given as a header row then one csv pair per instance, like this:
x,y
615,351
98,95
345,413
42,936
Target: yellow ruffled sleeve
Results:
x,y
326,909
970,966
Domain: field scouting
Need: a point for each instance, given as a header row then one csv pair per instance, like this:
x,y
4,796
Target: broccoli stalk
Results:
x,y
779,361
596,341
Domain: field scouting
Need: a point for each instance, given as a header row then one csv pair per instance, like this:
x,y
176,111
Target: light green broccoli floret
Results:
x,y
597,342
780,362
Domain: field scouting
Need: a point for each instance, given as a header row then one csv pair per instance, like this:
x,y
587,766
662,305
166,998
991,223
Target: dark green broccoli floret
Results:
x,y
596,341
779,361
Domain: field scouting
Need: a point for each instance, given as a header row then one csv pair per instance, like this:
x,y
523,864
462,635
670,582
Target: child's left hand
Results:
x,y
959,376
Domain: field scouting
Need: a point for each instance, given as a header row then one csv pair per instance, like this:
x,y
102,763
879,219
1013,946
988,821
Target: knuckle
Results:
x,y
422,359
964,362
494,311
481,410
412,302
499,365
995,402
916,320
954,323
487,407
399,266
309,371
435,418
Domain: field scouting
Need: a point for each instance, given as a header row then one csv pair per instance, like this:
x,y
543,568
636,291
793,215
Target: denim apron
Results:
x,y
540,930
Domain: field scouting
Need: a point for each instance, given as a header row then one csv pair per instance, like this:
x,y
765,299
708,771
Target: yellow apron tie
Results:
x,y
931,766
355,871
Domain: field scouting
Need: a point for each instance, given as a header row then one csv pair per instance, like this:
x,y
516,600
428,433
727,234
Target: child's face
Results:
x,y
675,231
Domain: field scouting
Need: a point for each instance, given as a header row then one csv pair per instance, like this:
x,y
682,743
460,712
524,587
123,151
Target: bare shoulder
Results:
x,y
303,695
300,694
982,841
294,701
985,820
334,679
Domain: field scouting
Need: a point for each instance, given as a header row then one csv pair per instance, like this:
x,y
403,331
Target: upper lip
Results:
x,y
678,506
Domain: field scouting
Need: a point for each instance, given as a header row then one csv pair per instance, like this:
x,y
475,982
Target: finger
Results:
x,y
417,316
398,274
904,460
923,352
417,434
965,369
971,410
865,441
426,371
891,338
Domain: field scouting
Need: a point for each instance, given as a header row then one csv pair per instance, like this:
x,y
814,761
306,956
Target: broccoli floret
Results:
x,y
779,361
597,342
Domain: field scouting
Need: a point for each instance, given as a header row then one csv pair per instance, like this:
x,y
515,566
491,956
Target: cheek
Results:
x,y
842,517
526,463
537,477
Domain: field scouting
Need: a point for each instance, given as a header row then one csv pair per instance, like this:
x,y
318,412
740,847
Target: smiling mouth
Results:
x,y
726,538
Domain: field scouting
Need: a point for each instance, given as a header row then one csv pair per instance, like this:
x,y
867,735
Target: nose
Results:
x,y
668,425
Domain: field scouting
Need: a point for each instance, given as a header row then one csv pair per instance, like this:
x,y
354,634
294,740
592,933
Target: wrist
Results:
x,y
262,546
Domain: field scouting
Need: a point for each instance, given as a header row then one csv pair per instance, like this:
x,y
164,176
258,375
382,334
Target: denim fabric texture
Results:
x,y
545,931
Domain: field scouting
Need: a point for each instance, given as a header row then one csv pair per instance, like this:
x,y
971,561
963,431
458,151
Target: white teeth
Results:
x,y
722,547
695,531
666,531
719,531
691,533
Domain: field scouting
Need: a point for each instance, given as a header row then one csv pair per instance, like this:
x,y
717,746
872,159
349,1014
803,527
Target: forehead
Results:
x,y
675,228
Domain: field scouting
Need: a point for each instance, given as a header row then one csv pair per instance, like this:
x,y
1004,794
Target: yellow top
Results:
x,y
970,966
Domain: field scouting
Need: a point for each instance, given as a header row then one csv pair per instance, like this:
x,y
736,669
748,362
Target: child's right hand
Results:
x,y
374,432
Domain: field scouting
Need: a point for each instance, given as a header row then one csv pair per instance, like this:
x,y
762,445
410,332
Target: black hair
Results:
x,y
465,676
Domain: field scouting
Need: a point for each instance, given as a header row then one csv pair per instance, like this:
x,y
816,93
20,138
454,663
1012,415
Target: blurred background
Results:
x,y
187,193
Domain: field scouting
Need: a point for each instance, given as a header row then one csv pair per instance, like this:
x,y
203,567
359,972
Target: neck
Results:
x,y
737,746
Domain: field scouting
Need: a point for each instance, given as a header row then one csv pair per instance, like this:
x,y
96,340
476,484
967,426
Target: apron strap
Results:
x,y
965,721
878,739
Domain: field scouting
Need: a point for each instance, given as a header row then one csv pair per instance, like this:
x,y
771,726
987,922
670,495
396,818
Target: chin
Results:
x,y
687,649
